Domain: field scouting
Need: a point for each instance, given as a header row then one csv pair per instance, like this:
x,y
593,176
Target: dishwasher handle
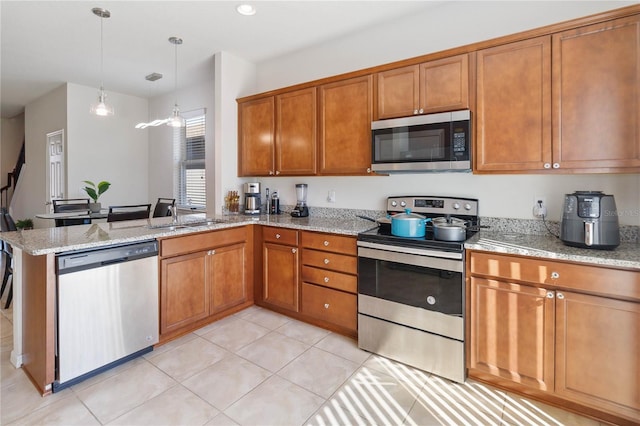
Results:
x,y
69,262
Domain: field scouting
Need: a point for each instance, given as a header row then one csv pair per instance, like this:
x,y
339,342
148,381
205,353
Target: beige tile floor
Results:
x,y
261,368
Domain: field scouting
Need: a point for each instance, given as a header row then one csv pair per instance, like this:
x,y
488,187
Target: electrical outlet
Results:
x,y
331,196
539,206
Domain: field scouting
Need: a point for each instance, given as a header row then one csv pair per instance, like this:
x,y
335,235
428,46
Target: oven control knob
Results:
x,y
403,204
431,300
467,206
456,206
394,204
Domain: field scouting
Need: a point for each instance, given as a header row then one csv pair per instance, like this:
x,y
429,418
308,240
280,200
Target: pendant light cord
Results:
x,y
101,54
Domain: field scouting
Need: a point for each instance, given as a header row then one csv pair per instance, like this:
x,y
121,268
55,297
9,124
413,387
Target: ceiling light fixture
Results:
x,y
176,119
246,9
101,108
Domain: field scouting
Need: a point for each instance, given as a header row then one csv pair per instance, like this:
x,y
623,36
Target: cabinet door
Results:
x,y
280,275
398,92
227,273
596,89
444,84
513,114
256,128
296,133
598,352
345,127
512,330
184,292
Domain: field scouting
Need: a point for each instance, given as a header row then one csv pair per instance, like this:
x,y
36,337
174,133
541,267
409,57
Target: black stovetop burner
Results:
x,y
431,207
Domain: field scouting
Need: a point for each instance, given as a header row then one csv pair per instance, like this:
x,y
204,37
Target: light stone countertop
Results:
x,y
81,237
627,255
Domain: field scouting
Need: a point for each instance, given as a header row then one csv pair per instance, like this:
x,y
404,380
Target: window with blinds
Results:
x,y
190,177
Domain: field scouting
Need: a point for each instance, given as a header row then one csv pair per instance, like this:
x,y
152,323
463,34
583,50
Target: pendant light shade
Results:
x,y
101,108
176,120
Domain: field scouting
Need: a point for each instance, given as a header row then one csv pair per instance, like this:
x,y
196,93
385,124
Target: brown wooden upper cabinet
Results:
x,y
277,135
345,126
434,86
565,102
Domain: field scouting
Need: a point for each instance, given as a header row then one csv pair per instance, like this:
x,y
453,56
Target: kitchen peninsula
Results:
x,y
35,253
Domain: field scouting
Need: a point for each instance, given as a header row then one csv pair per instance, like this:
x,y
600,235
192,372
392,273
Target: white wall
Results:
x,y
450,25
97,148
200,95
44,115
12,136
235,78
107,148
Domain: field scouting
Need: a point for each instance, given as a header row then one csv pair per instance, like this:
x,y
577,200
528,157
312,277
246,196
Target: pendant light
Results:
x,y
176,120
101,108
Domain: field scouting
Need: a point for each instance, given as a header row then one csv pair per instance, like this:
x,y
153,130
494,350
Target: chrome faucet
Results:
x,y
174,213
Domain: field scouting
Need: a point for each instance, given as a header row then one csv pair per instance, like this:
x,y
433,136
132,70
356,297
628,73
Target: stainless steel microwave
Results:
x,y
432,142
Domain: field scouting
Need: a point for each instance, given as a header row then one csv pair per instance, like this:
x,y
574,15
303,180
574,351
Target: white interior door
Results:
x,y
56,173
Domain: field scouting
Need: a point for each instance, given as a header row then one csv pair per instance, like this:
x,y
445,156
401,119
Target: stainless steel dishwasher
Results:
x,y
107,309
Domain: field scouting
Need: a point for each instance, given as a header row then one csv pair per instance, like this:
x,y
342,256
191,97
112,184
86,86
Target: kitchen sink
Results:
x,y
173,226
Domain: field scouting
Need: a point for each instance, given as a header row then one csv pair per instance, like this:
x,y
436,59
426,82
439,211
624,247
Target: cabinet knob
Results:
x,y
555,275
294,251
270,172
277,172
368,169
560,296
326,261
415,111
549,295
326,279
421,111
556,165
326,243
547,165
277,236
326,306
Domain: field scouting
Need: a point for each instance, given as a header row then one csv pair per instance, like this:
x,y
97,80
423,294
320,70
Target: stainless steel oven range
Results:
x,y
411,290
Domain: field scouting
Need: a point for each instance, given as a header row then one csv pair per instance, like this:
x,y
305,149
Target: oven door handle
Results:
x,y
412,259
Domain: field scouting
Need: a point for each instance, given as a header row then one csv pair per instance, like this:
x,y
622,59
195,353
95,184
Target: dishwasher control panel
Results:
x,y
86,259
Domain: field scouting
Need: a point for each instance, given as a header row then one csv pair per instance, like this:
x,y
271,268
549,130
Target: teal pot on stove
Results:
x,y
408,224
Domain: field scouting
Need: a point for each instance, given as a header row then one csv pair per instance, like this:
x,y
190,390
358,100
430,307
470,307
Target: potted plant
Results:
x,y
94,193
24,224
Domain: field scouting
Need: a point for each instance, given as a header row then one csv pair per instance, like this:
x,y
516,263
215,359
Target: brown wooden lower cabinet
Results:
x,y
203,277
532,330
334,306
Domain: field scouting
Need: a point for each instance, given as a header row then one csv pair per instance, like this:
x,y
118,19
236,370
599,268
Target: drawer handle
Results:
x,y
326,279
326,243
277,236
560,296
326,261
549,295
326,306
294,251
555,275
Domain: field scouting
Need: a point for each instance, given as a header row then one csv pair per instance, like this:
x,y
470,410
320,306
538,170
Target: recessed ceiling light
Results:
x,y
246,9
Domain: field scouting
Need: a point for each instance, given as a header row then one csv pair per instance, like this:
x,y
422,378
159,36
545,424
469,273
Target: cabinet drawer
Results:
x,y
280,235
592,279
202,241
331,261
330,305
329,242
337,280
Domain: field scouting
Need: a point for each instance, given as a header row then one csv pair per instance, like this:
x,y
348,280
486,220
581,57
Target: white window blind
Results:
x,y
189,150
